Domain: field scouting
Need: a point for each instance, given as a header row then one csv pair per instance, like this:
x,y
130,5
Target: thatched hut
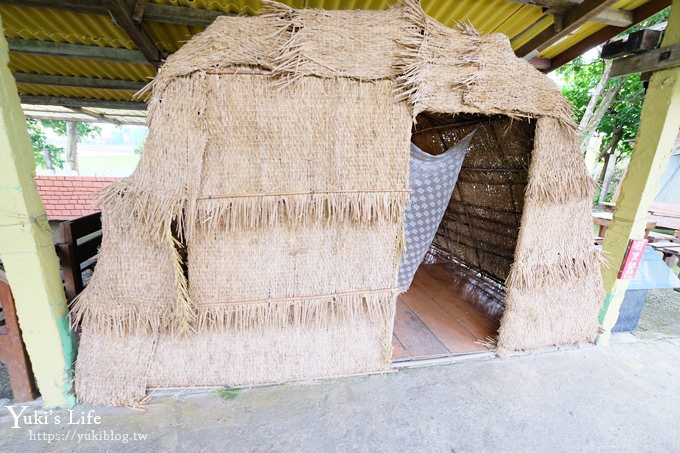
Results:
x,y
259,239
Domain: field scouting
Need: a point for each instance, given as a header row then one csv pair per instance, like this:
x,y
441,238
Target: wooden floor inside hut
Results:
x,y
437,317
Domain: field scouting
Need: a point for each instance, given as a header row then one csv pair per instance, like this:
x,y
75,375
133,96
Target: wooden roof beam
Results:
x,y
170,14
181,15
540,63
78,82
75,6
97,116
82,102
639,14
652,60
92,117
138,11
571,20
122,16
615,17
550,4
56,117
58,49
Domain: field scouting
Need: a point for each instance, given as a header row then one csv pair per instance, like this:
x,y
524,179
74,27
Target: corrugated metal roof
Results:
x,y
71,92
520,22
248,7
78,67
170,37
62,26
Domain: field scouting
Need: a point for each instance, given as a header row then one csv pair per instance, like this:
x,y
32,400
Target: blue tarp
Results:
x,y
653,273
669,186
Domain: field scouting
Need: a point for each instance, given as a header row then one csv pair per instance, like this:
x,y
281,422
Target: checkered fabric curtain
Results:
x,y
431,182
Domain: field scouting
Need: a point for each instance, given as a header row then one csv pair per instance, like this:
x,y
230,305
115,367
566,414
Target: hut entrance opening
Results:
x,y
457,297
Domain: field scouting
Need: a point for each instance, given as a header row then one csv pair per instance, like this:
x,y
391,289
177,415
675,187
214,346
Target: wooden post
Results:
x,y
659,125
27,251
610,163
72,142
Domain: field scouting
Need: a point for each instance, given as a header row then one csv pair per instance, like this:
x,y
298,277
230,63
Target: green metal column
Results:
x,y
28,254
656,136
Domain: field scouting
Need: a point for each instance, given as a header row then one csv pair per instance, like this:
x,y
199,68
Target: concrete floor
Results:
x,y
625,397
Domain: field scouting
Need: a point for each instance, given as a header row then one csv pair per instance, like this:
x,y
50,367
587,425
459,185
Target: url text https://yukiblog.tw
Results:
x,y
83,426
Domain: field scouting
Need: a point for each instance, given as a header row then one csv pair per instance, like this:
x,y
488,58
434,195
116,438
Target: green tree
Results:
x,y
85,130
620,121
621,109
139,149
50,156
46,155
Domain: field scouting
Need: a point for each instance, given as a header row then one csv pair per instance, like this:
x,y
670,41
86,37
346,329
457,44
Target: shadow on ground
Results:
x,y
660,316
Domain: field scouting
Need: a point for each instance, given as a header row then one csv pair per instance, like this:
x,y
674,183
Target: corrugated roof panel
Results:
x,y
519,21
71,92
76,67
524,37
576,37
249,7
119,112
629,4
477,13
62,26
170,37
486,16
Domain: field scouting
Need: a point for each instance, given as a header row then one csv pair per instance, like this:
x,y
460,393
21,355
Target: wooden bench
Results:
x,y
604,220
670,251
661,215
661,237
12,350
78,248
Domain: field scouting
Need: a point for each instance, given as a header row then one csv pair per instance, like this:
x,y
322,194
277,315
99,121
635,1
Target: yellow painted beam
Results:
x,y
658,129
28,254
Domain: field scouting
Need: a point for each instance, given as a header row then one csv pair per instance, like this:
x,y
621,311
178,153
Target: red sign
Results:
x,y
633,258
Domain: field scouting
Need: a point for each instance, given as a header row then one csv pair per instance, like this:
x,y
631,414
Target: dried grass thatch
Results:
x,y
278,155
554,284
139,285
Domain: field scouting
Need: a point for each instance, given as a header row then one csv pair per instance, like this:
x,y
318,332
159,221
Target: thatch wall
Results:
x,y
277,162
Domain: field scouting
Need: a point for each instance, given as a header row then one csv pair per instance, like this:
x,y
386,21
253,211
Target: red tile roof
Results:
x,y
69,197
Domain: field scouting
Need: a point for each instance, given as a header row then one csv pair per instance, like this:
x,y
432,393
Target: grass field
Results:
x,y
107,165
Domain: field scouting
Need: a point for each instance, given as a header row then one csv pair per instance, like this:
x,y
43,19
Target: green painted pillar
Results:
x,y
656,136
28,254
